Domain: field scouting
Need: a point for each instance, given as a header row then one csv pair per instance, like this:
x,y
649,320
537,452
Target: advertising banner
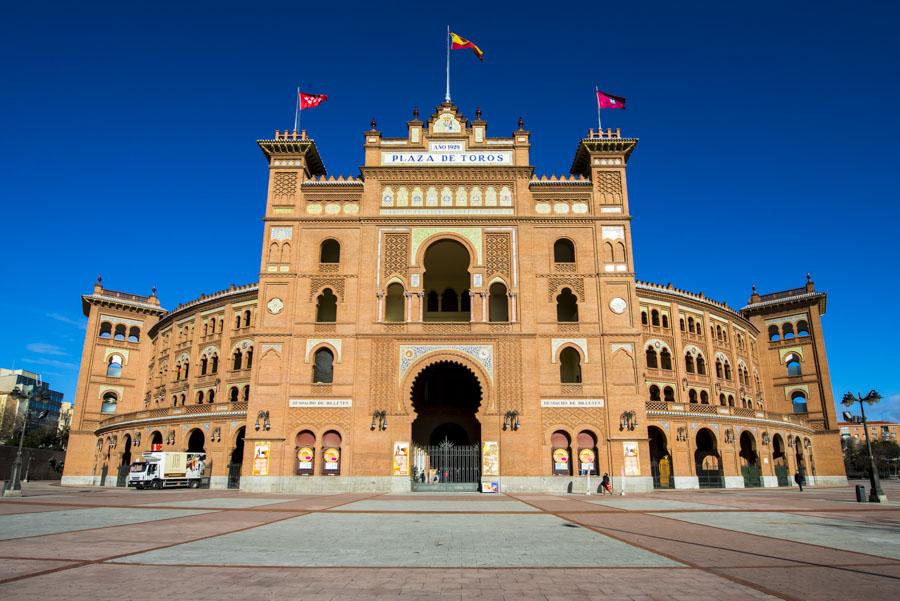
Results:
x,y
587,458
305,457
561,461
632,459
261,452
332,459
490,458
401,459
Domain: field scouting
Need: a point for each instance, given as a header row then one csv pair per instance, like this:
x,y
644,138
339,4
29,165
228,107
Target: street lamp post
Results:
x,y
876,494
15,486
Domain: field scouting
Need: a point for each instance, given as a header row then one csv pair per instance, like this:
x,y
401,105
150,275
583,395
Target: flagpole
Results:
x,y
597,98
297,110
447,96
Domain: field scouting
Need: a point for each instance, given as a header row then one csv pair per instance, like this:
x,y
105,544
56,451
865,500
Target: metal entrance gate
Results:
x,y
662,473
234,475
446,467
752,475
781,472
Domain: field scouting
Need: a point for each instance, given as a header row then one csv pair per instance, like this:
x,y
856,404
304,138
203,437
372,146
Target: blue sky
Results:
x,y
768,142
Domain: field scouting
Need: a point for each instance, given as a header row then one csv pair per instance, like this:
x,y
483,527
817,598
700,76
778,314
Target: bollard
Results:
x,y
860,493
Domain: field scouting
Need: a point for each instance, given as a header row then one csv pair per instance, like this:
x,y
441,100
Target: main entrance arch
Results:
x,y
446,397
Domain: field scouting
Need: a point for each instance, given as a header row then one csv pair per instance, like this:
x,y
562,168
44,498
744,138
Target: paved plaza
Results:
x,y
99,544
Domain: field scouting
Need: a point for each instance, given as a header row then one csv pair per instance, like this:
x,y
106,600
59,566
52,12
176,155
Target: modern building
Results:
x,y
854,433
13,409
448,318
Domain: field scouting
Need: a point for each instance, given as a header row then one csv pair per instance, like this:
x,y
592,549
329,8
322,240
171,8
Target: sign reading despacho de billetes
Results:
x,y
571,402
313,403
452,159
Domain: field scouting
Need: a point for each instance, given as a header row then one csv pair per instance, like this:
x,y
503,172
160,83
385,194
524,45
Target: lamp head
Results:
x,y
848,399
872,397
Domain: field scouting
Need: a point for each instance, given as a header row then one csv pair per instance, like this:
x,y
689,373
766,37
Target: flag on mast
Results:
x,y
309,101
457,42
608,101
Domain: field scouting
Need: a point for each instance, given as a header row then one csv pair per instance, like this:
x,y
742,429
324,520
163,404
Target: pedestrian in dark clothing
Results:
x,y
605,486
799,479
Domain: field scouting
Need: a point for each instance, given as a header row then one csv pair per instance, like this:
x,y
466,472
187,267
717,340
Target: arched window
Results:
x,y
681,323
182,400
654,317
643,318
569,366
214,364
719,372
120,332
237,359
692,396
669,394
204,364
174,400
237,321
211,396
465,301
566,306
654,392
691,325
665,359
323,366
704,397
651,358
773,333
802,328
199,397
105,330
798,400
563,251
449,301
689,363
665,321
246,391
731,400
247,316
326,307
727,370
787,331
792,361
187,369
701,365
499,302
177,372
233,394
134,334
110,401
330,252
114,367
561,453
395,303
433,304
249,355
718,332
722,400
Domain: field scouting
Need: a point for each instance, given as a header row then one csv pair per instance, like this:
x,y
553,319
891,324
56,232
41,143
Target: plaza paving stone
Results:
x,y
223,545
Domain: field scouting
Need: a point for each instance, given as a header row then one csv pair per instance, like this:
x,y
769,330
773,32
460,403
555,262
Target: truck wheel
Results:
x,y
194,484
157,484
139,486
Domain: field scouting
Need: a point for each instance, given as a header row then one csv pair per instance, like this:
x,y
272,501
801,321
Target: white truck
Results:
x,y
158,469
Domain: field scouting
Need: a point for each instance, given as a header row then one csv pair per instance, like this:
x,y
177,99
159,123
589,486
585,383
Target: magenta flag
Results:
x,y
608,101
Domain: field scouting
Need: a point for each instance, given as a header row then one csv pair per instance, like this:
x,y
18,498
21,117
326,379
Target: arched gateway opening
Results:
x,y
446,433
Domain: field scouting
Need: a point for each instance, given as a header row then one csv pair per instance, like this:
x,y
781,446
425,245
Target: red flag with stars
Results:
x,y
311,101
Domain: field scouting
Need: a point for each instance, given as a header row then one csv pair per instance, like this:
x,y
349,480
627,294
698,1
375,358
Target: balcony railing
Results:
x,y
699,408
173,412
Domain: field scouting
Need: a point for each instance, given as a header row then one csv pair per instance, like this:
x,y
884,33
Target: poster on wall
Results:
x,y
261,452
632,460
305,456
490,458
561,461
332,458
401,459
587,457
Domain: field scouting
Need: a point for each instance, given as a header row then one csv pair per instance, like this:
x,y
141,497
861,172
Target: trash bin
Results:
x,y
860,493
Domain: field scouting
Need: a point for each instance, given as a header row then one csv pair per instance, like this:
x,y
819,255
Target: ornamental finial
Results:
x,y
521,123
373,123
478,113
416,113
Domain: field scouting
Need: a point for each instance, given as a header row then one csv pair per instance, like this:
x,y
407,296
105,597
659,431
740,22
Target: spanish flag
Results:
x,y
461,43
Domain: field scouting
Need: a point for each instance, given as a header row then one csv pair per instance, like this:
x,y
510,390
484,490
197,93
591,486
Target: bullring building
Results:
x,y
448,319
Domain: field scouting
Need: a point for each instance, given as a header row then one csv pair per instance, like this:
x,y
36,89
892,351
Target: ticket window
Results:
x,y
560,454
588,463
305,446
331,453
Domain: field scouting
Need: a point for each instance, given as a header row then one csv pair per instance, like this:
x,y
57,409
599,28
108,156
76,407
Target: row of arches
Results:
x,y
120,332
313,458
656,319
788,330
583,459
461,197
691,325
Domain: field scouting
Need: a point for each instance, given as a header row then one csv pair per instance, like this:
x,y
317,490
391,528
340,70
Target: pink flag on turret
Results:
x,y
608,101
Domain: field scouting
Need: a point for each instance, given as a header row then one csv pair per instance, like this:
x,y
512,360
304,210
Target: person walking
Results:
x,y
605,486
799,479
